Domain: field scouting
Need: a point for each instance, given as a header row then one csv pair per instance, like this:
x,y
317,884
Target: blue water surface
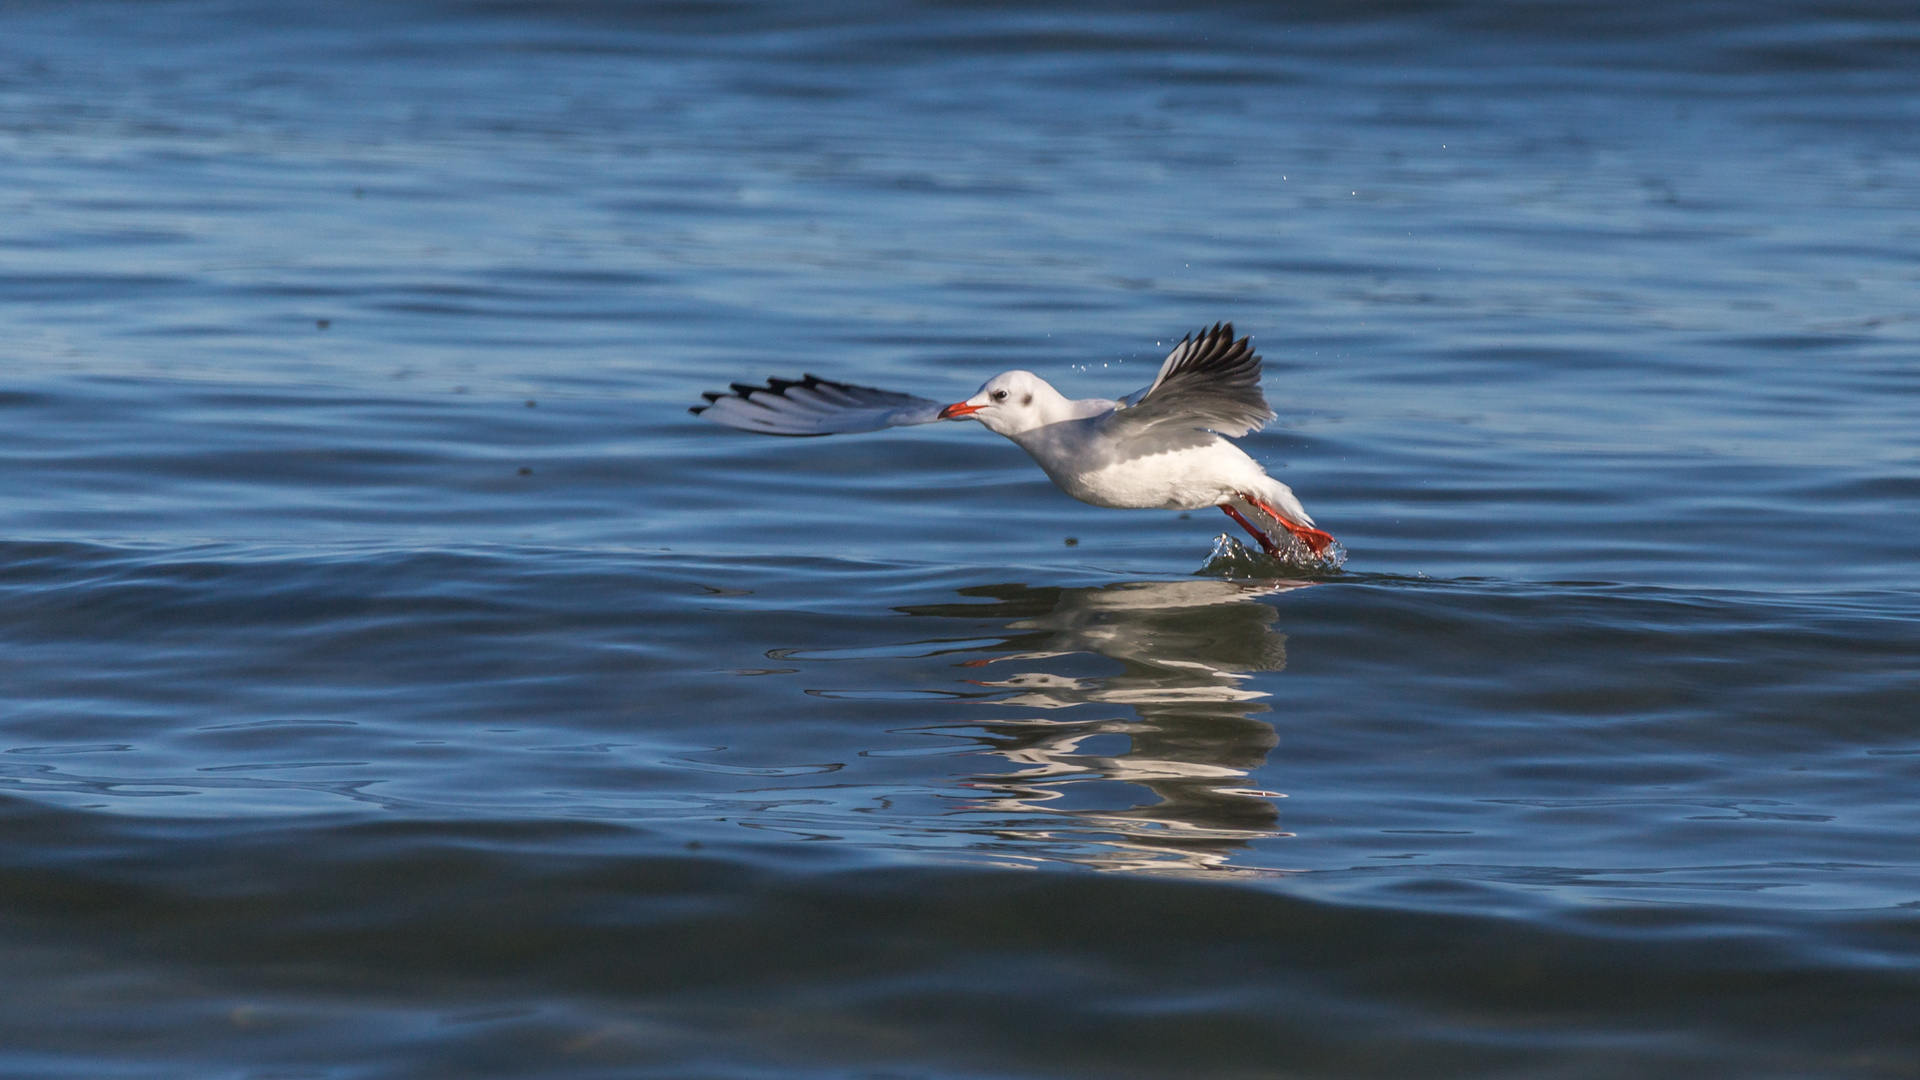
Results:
x,y
402,683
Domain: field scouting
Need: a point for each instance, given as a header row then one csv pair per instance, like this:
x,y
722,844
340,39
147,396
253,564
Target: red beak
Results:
x,y
959,409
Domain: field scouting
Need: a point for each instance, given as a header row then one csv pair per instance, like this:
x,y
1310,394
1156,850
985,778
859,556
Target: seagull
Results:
x,y
1164,447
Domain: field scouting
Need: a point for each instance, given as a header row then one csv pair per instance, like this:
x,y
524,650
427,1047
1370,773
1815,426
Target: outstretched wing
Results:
x,y
814,406
1210,382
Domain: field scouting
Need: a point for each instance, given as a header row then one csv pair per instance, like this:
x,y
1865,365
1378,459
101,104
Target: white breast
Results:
x,y
1187,478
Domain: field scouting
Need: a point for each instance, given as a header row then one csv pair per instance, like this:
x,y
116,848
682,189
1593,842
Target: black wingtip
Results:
x,y
1216,349
838,394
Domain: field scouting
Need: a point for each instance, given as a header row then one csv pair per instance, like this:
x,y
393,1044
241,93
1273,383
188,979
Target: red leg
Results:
x,y
1315,540
1265,540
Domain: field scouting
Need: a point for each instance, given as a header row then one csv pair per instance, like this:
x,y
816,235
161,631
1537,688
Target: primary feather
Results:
x,y
1210,382
814,406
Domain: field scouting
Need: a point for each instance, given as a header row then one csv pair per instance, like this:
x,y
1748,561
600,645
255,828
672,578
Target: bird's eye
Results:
x,y
999,395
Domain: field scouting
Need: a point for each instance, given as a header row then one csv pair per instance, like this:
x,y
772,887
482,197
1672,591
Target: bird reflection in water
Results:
x,y
1166,788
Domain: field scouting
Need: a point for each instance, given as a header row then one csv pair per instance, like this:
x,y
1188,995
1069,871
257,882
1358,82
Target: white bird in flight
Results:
x,y
1160,448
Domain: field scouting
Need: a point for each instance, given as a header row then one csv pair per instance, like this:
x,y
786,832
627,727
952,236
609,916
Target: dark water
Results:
x,y
400,683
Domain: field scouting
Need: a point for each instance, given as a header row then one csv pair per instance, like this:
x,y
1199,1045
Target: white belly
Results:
x,y
1185,479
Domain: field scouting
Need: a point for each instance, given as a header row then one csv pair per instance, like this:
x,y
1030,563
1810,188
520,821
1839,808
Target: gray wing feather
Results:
x,y
1209,382
814,406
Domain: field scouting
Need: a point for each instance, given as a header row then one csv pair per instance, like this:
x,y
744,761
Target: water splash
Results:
x,y
1288,554
1233,559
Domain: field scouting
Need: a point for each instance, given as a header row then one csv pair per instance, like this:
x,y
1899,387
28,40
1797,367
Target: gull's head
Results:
x,y
1010,403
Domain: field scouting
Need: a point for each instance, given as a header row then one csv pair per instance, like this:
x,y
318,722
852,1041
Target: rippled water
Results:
x,y
401,683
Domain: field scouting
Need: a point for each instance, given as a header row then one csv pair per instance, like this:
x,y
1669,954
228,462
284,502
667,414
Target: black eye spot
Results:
x,y
999,395
1028,400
